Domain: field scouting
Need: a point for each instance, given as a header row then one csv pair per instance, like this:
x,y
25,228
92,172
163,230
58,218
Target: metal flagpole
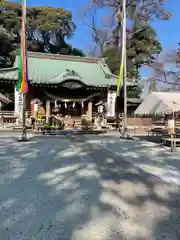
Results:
x,y
24,132
125,69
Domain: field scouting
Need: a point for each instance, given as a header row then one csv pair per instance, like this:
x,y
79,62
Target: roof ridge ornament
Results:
x,y
71,73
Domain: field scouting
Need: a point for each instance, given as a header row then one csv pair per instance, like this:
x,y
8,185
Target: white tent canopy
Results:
x,y
159,103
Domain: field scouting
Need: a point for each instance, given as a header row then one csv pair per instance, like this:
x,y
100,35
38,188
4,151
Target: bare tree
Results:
x,y
138,10
145,10
100,34
174,58
166,73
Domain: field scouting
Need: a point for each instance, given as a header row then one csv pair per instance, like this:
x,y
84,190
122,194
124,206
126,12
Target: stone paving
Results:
x,y
71,187
148,156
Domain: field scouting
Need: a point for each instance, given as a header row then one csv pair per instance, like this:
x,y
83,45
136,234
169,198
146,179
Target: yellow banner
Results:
x,y
120,78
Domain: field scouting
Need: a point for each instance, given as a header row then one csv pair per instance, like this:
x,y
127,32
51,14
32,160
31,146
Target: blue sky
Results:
x,y
168,31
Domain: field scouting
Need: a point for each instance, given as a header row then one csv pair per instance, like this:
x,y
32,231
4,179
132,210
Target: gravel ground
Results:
x,y
149,156
67,188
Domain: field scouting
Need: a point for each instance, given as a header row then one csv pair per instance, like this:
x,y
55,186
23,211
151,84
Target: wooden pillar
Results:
x,y
82,109
90,110
1,116
48,111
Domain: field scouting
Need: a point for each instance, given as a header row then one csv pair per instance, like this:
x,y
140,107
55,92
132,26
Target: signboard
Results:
x,y
171,126
111,101
100,109
18,108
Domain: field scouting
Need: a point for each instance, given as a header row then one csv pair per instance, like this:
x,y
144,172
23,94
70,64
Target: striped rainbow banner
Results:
x,y
22,85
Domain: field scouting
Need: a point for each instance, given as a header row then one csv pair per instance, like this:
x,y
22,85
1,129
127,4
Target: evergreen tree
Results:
x,y
47,29
142,48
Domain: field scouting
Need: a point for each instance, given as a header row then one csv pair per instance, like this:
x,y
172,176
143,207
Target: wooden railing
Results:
x,y
177,123
7,113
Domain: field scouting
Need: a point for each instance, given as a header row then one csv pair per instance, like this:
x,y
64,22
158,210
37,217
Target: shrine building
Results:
x,y
68,85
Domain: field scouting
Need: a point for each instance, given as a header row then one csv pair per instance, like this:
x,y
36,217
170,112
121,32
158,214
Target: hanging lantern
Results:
x,y
55,104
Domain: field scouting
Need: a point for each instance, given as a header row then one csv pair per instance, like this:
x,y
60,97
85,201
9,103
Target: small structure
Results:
x,y
166,104
133,104
159,103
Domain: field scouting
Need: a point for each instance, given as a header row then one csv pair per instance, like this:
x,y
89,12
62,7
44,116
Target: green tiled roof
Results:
x,y
55,69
